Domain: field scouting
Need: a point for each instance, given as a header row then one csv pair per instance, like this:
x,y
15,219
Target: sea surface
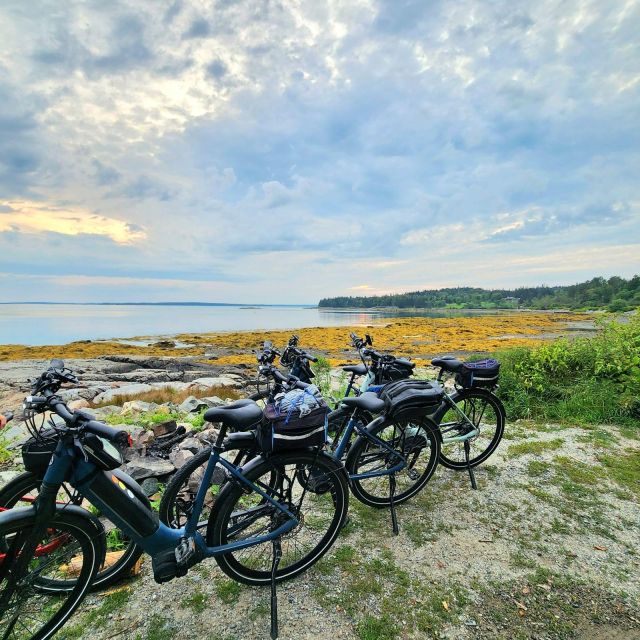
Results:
x,y
40,324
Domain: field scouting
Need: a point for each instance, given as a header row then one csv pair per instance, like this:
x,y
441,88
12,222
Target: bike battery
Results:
x,y
124,495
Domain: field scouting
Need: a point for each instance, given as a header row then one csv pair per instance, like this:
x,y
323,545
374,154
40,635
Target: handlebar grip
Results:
x,y
297,383
312,358
60,407
119,436
8,416
278,376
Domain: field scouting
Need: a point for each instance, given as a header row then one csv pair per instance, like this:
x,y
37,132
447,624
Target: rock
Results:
x,y
109,410
150,486
163,428
213,401
141,467
138,406
219,381
208,435
164,344
192,405
70,394
144,439
190,444
80,403
179,457
126,390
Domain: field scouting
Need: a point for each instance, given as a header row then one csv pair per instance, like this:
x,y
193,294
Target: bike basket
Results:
x,y
411,398
291,428
483,373
36,452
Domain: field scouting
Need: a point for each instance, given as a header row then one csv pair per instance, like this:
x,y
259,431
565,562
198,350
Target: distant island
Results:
x,y
613,294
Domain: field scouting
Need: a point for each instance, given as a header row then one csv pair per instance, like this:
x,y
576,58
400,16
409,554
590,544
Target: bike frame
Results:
x,y
363,431
65,463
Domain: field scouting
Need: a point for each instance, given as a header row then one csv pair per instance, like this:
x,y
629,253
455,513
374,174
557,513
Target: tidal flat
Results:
x,y
418,337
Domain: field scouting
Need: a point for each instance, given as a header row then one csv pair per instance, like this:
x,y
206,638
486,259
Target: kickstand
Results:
x,y
392,504
277,554
472,475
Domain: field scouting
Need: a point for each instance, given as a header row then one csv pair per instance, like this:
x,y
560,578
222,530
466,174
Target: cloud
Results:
x,y
331,143
34,217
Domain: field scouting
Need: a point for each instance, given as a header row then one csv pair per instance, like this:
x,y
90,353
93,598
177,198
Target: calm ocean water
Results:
x,y
36,324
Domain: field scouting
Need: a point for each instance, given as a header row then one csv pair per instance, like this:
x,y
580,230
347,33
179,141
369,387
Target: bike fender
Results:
x,y
19,515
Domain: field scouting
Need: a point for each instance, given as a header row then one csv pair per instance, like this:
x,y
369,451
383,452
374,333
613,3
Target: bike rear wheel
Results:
x,y
39,593
417,441
485,413
122,552
311,484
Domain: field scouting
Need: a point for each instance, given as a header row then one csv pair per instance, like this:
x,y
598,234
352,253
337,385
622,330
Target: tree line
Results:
x,y
614,294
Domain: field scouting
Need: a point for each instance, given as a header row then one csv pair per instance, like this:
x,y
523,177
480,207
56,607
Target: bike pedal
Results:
x,y
187,554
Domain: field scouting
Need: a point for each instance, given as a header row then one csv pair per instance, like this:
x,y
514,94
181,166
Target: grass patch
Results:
x,y
159,628
535,447
228,591
624,469
197,602
376,628
168,395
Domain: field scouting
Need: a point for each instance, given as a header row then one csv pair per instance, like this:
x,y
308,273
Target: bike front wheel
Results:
x,y
310,484
122,552
475,410
416,441
43,581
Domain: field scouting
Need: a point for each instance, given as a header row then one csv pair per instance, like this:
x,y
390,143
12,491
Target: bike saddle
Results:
x,y
358,369
367,401
236,415
448,363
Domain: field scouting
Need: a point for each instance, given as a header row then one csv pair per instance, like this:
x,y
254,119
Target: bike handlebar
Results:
x,y
119,436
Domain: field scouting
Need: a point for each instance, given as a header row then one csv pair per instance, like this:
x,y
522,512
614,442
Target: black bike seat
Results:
x,y
358,369
366,401
235,415
448,363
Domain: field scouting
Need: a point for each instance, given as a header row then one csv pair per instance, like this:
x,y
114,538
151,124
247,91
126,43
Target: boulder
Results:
x,y
141,467
193,405
144,439
232,381
213,401
126,390
150,486
80,403
109,410
138,406
190,444
179,457
164,428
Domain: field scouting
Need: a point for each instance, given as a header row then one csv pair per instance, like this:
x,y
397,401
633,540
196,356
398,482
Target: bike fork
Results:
x,y
277,555
392,504
472,475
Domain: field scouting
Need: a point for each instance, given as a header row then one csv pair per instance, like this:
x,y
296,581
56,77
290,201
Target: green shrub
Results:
x,y
589,379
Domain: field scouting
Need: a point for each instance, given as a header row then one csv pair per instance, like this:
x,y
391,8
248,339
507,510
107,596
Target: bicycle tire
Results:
x,y
80,542
411,438
179,494
474,403
28,483
301,548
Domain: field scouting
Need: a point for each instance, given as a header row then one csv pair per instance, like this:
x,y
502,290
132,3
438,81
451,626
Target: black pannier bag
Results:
x,y
407,399
399,369
297,420
36,452
482,373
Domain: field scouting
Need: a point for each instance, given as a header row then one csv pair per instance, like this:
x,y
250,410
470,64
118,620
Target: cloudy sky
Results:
x,y
282,151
